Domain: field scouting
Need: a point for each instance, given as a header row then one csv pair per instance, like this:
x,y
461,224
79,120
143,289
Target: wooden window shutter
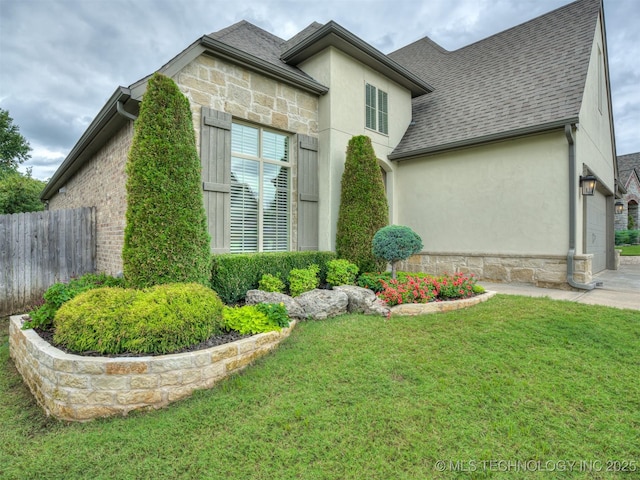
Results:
x,y
308,193
215,157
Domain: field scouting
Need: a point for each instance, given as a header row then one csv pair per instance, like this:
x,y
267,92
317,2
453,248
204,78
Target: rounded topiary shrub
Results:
x,y
394,243
166,239
158,320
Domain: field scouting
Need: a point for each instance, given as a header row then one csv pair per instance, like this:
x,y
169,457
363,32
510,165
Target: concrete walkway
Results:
x,y
620,288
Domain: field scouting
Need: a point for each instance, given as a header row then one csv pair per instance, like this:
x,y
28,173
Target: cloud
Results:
x,y
62,59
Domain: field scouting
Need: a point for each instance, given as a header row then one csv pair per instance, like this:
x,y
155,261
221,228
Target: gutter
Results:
x,y
493,137
568,131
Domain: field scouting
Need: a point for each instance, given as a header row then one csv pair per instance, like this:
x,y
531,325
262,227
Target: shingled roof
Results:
x,y
627,164
251,39
528,76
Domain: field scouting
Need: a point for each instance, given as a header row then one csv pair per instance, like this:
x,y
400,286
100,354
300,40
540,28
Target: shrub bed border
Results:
x,y
436,307
77,388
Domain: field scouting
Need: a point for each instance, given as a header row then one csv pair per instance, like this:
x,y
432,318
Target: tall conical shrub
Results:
x,y
166,238
363,206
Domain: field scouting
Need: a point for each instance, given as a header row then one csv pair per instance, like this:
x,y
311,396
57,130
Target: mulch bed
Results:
x,y
214,341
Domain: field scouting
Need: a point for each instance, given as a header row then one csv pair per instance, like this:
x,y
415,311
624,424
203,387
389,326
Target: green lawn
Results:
x,y
629,250
514,379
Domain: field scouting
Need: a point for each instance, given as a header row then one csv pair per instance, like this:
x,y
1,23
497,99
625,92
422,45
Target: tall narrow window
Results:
x,y
259,190
376,109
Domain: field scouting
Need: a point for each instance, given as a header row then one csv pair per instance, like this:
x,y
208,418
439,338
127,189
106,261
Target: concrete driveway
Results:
x,y
620,288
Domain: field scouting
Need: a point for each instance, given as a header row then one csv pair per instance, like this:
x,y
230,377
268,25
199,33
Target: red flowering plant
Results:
x,y
426,289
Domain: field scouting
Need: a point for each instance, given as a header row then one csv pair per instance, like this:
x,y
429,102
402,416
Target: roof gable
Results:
x,y
529,77
315,39
628,165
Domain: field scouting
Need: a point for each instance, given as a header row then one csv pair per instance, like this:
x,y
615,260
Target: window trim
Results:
x,y
261,162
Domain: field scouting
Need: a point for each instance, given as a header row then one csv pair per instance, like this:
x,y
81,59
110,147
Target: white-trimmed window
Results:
x,y
376,109
260,180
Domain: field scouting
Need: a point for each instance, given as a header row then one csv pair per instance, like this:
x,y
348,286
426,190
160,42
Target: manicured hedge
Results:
x,y
627,237
234,274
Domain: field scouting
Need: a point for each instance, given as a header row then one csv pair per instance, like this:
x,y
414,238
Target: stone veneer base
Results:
x,y
547,271
77,388
436,307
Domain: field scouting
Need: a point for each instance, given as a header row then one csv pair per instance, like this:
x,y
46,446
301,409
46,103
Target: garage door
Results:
x,y
596,238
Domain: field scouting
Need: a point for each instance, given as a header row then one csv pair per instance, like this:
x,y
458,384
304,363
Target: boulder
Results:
x,y
320,304
293,308
363,300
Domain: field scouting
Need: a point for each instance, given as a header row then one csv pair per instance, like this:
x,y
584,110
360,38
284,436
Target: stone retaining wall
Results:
x,y
439,307
539,270
77,388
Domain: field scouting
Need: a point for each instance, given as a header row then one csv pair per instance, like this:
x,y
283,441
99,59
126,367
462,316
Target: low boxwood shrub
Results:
x,y
253,319
59,293
271,283
234,274
341,272
303,279
158,320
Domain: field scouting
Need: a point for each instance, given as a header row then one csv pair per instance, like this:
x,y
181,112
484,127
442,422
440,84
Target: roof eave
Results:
x,y
495,137
238,56
332,34
86,145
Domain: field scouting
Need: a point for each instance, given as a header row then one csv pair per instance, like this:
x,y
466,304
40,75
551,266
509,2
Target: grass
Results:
x,y
629,250
513,379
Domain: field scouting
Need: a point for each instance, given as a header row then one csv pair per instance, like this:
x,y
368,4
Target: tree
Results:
x,y
363,206
14,148
166,238
19,193
394,243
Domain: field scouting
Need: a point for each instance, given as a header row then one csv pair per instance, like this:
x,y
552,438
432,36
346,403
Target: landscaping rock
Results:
x,y
320,304
363,300
293,308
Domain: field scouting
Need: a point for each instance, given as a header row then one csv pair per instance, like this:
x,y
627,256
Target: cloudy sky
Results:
x,y
60,60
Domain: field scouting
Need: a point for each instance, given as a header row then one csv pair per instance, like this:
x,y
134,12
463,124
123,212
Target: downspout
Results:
x,y
123,112
568,131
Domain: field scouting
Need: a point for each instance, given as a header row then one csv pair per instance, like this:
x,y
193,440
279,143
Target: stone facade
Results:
x,y
631,201
101,183
542,271
250,96
77,388
206,81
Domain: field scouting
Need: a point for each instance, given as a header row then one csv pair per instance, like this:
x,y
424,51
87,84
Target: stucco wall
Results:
x,y
594,143
594,138
101,182
503,198
342,116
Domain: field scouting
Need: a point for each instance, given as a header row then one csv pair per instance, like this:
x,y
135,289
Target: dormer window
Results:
x,y
376,109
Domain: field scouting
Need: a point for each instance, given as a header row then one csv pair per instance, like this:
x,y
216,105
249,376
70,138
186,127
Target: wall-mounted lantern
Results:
x,y
619,207
588,184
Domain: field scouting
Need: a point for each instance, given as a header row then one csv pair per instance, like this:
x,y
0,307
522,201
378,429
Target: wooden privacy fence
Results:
x,y
39,249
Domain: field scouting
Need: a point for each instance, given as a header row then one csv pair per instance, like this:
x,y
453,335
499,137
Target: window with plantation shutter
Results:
x,y
370,107
260,198
376,109
383,121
